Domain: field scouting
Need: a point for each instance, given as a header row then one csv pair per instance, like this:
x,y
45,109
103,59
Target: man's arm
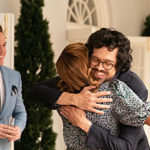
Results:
x,y
101,138
98,137
47,94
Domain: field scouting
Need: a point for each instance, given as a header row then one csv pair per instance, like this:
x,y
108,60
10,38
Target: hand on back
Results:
x,y
87,100
76,116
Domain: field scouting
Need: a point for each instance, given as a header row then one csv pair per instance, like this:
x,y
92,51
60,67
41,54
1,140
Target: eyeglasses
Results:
x,y
106,64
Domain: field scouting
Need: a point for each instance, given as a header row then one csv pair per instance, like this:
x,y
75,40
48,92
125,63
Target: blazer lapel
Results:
x,y
7,86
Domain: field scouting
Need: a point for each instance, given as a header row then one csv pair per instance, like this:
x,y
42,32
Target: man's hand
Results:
x,y
76,116
6,131
86,100
16,135
10,132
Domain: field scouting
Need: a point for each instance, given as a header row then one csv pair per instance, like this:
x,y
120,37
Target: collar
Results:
x,y
116,76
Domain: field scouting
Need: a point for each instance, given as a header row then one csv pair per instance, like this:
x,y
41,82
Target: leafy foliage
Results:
x,y
34,60
146,30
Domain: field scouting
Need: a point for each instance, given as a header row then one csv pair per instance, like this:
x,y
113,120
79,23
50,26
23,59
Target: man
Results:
x,y
110,57
11,103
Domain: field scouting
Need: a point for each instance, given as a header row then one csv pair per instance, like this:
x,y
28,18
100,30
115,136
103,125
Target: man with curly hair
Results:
x,y
110,59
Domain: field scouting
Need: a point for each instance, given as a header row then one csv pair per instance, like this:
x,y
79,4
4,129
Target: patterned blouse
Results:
x,y
126,108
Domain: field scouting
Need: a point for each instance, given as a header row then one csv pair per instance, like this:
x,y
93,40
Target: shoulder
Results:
x,y
122,90
118,85
13,76
123,94
11,71
133,81
115,86
129,76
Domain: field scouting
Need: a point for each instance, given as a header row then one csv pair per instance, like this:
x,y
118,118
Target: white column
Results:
x,y
7,22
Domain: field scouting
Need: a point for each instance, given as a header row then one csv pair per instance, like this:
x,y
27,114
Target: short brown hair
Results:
x,y
72,67
1,29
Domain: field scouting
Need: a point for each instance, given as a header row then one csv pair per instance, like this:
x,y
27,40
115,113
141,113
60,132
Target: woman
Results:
x,y
126,108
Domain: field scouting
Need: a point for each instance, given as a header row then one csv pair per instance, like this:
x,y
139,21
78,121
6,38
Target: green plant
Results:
x,y
146,30
34,60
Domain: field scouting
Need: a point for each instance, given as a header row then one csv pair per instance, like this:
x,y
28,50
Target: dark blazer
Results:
x,y
130,138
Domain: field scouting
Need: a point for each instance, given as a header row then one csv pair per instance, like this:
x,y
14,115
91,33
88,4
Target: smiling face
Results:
x,y
2,48
108,57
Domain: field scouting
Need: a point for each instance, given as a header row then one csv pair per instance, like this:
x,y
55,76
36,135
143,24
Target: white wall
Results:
x,y
10,6
55,11
128,16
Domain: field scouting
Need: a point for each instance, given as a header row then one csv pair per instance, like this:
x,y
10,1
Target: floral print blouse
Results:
x,y
126,108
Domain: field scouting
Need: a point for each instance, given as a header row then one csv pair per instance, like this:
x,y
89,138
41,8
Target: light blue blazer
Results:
x,y
13,103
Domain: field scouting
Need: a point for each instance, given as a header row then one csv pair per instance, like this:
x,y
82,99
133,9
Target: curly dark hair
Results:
x,y
112,39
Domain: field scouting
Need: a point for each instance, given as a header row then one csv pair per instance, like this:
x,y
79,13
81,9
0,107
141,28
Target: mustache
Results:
x,y
95,69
